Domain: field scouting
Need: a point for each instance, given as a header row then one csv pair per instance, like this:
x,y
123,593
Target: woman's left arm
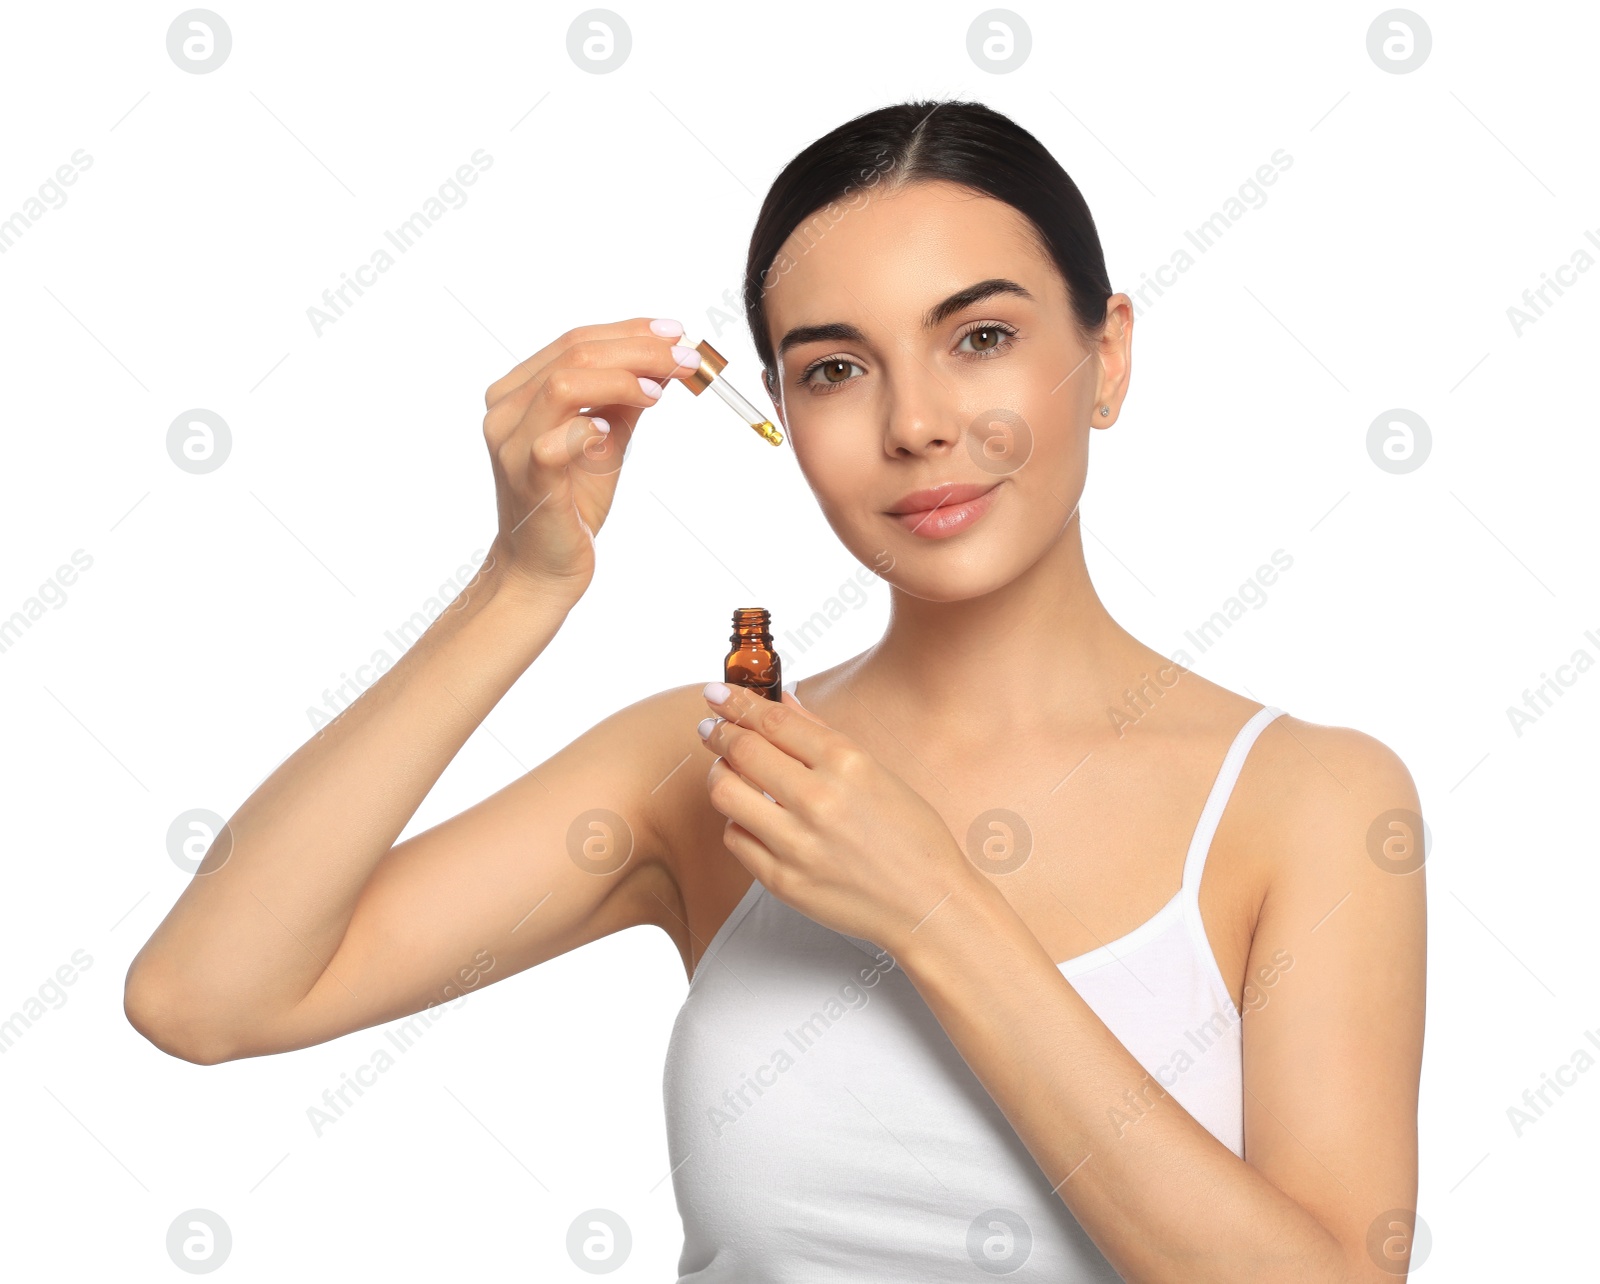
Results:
x,y
1331,1062
1331,1059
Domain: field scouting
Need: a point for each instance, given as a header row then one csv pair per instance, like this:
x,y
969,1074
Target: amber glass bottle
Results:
x,y
752,662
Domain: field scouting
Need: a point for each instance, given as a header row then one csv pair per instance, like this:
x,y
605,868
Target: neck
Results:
x,y
1040,650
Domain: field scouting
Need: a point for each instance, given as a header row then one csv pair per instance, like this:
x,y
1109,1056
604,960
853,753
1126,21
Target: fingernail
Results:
x,y
716,692
600,425
667,328
685,356
704,726
651,387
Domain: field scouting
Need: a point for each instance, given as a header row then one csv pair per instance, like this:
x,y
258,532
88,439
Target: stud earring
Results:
x,y
1105,412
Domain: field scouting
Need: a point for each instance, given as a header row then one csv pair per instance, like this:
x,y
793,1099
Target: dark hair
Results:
x,y
959,142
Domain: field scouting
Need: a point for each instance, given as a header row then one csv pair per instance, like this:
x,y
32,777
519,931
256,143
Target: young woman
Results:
x,y
1014,947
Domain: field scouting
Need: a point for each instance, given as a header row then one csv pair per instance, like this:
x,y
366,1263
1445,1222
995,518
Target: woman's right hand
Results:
x,y
555,471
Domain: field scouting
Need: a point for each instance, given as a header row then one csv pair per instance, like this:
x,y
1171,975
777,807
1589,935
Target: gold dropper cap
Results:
x,y
706,375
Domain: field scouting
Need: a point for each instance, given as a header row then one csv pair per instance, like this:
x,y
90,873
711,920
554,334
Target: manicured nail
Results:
x,y
651,387
685,356
716,692
600,425
667,328
705,725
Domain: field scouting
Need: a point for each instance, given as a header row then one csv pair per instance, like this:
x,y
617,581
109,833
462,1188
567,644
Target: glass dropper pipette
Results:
x,y
709,375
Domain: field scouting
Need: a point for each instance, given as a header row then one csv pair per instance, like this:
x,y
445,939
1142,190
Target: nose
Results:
x,y
921,417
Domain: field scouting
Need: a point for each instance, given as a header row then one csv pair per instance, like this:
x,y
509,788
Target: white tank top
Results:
x,y
822,1126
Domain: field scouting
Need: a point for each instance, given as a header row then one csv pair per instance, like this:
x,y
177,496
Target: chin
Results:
x,y
946,570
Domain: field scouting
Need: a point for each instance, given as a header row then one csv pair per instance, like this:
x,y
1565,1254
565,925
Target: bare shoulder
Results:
x,y
691,875
1317,813
1332,782
656,736
1334,829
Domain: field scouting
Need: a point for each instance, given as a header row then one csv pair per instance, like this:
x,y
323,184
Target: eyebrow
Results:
x,y
844,332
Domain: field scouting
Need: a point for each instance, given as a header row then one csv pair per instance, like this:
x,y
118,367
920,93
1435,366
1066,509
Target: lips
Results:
x,y
943,496
943,511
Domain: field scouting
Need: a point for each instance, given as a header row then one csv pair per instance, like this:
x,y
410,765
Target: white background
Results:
x,y
180,667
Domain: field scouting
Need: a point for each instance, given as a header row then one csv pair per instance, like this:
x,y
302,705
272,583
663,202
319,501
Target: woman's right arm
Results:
x,y
305,921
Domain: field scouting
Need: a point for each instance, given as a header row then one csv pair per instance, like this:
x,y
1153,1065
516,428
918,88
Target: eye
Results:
x,y
834,371
989,337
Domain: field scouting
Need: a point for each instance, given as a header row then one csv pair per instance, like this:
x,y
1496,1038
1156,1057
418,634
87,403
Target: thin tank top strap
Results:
x,y
1200,845
1227,776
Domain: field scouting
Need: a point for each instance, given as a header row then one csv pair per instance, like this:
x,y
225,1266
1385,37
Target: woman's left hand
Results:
x,y
843,839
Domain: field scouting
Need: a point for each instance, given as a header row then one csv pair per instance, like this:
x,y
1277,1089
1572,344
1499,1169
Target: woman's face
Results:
x,y
893,379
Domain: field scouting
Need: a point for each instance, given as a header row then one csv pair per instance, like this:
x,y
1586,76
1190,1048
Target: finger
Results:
x,y
789,698
634,327
565,392
652,361
756,760
649,361
580,442
525,370
652,358
658,358
795,730
542,458
750,852
741,802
